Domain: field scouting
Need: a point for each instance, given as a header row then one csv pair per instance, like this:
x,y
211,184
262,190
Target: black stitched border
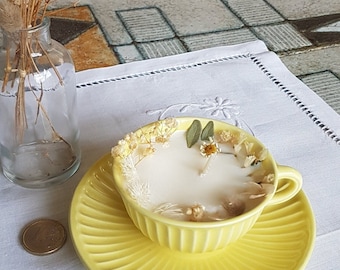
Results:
x,y
165,70
304,108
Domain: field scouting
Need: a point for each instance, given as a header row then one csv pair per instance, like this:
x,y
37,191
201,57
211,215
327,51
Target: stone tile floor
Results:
x,y
305,33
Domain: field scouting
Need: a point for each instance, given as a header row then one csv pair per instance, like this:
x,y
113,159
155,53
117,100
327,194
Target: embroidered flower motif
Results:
x,y
221,106
218,107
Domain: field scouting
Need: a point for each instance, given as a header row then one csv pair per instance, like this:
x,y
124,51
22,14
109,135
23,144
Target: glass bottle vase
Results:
x,y
39,135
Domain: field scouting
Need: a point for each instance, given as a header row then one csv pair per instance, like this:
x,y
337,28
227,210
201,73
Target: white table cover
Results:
x,y
244,82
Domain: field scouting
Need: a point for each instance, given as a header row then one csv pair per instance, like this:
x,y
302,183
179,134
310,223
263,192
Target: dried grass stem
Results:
x,y
17,17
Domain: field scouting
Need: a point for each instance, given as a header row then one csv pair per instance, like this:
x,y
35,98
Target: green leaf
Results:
x,y
193,133
208,131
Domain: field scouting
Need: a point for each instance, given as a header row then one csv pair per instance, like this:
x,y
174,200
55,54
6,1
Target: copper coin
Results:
x,y
43,236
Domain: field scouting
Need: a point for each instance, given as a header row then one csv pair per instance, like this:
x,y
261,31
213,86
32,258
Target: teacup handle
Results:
x,y
289,184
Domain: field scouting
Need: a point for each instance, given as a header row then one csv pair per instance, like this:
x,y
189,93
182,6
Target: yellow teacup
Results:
x,y
196,237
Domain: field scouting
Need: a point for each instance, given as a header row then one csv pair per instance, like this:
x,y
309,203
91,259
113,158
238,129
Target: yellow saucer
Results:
x,y
105,237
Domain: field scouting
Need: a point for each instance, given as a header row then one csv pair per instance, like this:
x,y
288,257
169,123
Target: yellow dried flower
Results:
x,y
149,150
195,212
225,136
132,140
162,138
164,129
171,123
120,150
269,178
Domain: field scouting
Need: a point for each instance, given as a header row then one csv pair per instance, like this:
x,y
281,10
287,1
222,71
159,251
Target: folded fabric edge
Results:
x,y
91,76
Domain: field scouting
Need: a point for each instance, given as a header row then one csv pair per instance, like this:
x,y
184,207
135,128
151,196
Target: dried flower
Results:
x,y
169,209
258,190
234,206
225,136
248,161
230,206
263,154
269,178
238,145
149,150
254,159
138,189
248,147
164,131
210,148
131,140
159,132
195,212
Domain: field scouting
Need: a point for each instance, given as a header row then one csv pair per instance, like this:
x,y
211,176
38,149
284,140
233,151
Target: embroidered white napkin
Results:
x,y
245,84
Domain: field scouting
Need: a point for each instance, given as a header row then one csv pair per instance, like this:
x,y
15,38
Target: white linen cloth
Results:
x,y
244,82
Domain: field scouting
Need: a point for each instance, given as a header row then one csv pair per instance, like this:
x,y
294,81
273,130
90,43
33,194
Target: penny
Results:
x,y
43,236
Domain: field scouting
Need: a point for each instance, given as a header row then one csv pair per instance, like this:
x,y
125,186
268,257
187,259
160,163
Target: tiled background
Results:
x,y
305,33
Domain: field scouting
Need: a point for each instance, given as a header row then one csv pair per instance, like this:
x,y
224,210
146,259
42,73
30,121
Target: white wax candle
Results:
x,y
173,174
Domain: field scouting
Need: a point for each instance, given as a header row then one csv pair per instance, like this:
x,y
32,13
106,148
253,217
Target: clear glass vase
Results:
x,y
39,135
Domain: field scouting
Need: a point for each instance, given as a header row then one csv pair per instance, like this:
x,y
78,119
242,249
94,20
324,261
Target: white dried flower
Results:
x,y
169,210
138,190
249,147
249,161
263,154
210,148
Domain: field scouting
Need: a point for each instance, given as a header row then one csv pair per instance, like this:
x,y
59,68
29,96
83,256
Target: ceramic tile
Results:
x,y
223,38
326,85
185,17
313,61
293,10
196,17
81,13
128,53
146,24
254,12
305,34
282,37
65,30
90,50
320,30
77,29
161,48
